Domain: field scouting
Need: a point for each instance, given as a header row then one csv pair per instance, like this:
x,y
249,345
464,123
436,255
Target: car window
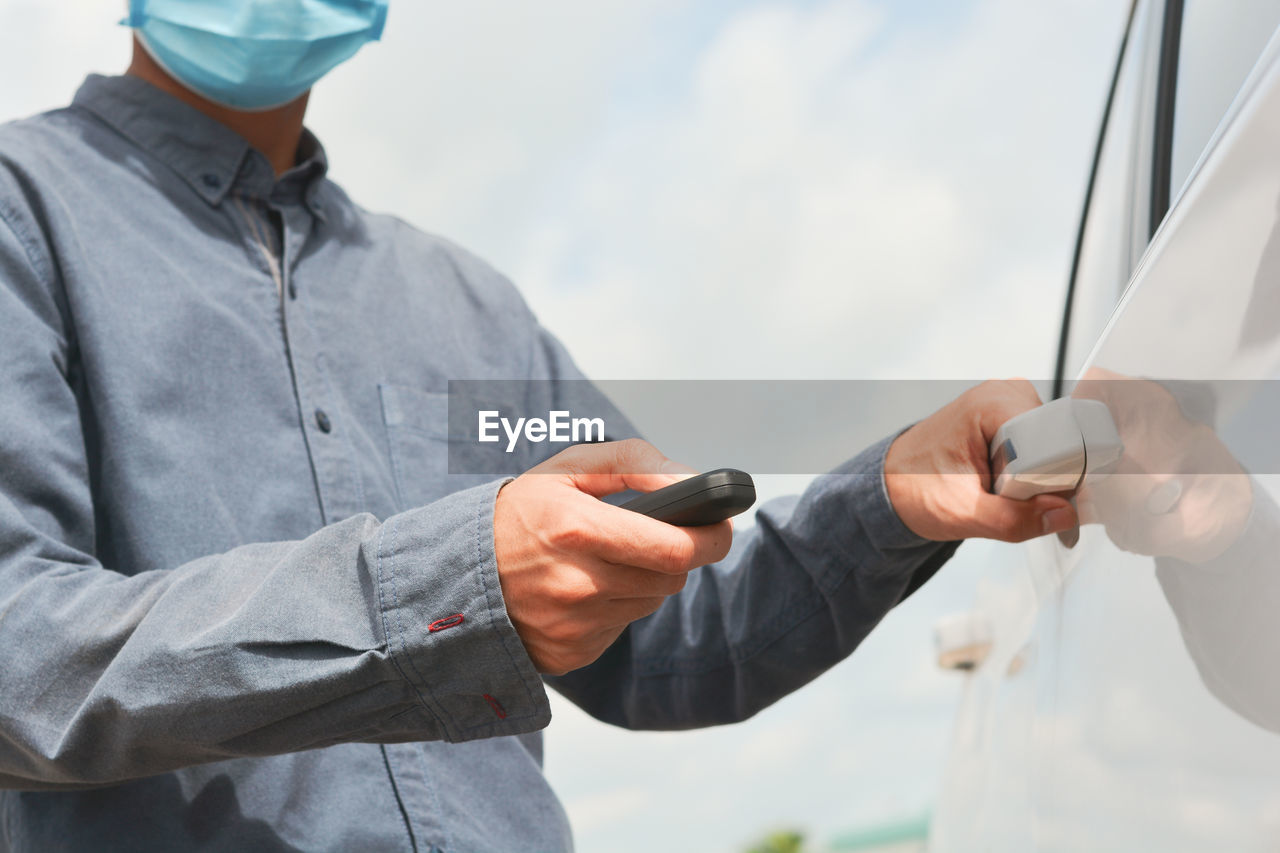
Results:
x,y
1115,225
1221,41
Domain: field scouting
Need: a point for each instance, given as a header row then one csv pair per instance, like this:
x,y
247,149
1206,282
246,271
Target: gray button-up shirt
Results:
x,y
228,530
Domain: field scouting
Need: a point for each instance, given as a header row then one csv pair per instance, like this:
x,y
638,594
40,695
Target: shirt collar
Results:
x,y
207,154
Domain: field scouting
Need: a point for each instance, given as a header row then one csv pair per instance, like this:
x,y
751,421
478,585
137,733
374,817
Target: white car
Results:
x,y
1123,689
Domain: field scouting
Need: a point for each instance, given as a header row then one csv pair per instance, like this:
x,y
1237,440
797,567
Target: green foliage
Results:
x,y
783,841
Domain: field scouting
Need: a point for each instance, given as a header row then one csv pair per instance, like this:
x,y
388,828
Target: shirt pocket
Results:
x,y
421,450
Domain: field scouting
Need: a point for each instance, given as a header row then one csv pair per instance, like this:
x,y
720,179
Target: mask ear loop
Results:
x,y
135,14
375,29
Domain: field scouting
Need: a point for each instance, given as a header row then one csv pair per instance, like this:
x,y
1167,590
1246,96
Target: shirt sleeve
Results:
x,y
1226,611
797,593
364,631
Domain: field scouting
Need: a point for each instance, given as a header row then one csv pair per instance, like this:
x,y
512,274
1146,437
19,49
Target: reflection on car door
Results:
x,y
1137,686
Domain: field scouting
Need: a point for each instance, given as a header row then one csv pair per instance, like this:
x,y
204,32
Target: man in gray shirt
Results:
x,y
243,603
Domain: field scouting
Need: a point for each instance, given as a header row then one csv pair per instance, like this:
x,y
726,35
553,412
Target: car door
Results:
x,y
1128,702
990,787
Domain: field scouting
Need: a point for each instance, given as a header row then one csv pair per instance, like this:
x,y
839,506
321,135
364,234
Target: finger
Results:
x,y
1000,401
603,469
660,547
628,538
623,612
1017,521
618,582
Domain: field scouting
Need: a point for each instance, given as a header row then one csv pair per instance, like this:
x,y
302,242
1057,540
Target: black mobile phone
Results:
x,y
703,499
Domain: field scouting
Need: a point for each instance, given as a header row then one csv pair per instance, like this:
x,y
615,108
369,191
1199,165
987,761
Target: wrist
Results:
x,y
899,484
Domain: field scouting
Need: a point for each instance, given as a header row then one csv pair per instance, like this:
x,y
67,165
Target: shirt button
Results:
x,y
322,421
211,180
293,290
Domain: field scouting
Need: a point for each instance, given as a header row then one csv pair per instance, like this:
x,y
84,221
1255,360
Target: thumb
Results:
x,y
602,469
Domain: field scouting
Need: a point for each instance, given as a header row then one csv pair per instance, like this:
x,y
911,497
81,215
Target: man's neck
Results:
x,y
274,132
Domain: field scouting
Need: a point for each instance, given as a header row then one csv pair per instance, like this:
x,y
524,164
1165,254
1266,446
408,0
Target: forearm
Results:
x,y
265,649
796,595
1226,610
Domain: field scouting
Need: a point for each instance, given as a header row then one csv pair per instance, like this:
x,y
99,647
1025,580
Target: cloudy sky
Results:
x,y
816,189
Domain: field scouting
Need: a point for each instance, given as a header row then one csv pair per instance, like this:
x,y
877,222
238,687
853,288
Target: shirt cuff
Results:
x,y
884,527
902,550
1257,537
445,621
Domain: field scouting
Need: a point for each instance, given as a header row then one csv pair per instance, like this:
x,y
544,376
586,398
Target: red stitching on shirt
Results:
x,y
447,622
496,706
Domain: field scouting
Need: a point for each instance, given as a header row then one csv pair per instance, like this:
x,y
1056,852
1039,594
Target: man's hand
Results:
x,y
1177,491
939,475
575,571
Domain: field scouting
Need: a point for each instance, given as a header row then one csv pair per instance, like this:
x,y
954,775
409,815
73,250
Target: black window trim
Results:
x,y
1166,98
1061,365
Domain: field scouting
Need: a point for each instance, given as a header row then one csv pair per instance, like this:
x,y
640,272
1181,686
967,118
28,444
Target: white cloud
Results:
x,y
594,811
46,50
807,208
464,116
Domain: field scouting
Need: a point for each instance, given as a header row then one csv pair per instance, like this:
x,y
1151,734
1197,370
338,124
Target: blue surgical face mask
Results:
x,y
253,54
